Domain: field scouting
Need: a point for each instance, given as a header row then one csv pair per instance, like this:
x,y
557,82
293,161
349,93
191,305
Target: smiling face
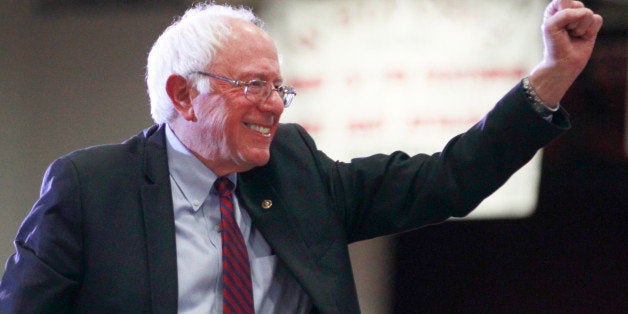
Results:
x,y
225,130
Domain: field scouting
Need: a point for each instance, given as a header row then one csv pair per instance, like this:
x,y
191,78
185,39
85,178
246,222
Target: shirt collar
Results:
x,y
192,177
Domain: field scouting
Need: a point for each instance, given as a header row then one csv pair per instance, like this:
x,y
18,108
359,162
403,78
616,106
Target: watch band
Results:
x,y
537,103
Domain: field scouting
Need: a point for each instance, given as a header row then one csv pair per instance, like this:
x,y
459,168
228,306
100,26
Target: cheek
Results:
x,y
213,120
210,110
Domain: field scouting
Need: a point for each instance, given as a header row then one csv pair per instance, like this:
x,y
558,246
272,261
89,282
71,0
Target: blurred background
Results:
x,y
72,75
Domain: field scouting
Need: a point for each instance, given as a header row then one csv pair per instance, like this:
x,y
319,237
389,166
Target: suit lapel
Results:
x,y
255,191
159,224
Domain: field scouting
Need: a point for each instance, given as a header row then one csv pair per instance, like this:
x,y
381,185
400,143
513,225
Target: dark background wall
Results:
x,y
571,256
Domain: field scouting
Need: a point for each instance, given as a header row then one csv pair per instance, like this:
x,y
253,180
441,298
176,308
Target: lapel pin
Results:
x,y
266,204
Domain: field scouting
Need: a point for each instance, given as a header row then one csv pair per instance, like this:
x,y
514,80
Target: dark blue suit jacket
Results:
x,y
101,238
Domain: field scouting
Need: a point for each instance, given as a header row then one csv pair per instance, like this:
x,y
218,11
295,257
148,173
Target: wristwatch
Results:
x,y
537,103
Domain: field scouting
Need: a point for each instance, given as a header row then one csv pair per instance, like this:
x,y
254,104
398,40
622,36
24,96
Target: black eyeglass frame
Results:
x,y
287,93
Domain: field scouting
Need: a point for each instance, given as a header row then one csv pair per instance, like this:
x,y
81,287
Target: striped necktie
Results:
x,y
236,270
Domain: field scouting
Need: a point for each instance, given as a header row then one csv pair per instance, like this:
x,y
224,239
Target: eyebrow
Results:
x,y
260,76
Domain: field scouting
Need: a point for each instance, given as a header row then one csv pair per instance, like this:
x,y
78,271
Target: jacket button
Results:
x,y
266,204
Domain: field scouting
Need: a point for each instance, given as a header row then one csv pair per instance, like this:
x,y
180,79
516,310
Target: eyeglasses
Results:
x,y
258,90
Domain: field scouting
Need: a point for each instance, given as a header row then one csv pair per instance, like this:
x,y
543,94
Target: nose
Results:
x,y
273,103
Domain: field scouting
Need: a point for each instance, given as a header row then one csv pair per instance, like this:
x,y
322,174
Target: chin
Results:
x,y
257,159
262,161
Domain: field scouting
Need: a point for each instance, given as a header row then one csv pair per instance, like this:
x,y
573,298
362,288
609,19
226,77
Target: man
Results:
x,y
137,227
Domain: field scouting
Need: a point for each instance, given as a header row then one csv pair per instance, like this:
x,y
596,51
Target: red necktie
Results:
x,y
236,271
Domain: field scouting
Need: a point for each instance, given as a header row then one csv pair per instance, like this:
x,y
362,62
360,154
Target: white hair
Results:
x,y
186,46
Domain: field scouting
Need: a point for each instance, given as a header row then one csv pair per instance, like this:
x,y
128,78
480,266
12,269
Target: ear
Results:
x,y
180,93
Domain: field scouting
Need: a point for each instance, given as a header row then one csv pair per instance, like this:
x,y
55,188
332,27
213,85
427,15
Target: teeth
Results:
x,y
260,129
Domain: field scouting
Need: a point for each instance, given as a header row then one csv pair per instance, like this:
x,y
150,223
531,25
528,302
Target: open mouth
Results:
x,y
258,128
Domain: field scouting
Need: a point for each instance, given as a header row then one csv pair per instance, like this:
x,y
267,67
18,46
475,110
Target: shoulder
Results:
x,y
113,158
292,136
131,146
291,131
293,143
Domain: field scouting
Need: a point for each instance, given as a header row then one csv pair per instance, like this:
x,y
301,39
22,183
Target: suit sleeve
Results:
x,y
44,273
386,194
